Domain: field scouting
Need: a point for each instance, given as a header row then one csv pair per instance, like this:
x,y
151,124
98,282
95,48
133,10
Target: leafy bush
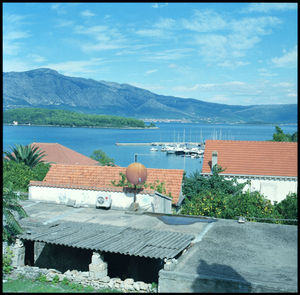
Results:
x,y
217,183
250,204
20,174
7,261
215,196
288,207
42,278
55,279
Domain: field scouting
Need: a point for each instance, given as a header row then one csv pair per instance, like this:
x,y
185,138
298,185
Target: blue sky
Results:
x,y
231,53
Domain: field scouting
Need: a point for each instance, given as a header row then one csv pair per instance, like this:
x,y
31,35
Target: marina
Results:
x,y
157,143
138,143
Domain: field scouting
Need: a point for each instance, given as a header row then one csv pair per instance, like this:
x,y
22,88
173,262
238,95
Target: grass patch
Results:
x,y
22,285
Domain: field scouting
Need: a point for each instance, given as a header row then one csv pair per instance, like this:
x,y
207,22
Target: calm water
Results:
x,y
86,140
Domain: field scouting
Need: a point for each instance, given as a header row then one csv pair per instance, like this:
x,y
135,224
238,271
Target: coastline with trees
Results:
x,y
62,118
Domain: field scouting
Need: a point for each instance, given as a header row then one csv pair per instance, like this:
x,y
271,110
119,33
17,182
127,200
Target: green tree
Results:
x,y
279,135
28,154
288,207
11,226
218,197
197,183
102,158
250,204
20,174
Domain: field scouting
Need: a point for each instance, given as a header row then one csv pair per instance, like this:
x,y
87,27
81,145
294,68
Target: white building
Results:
x,y
90,186
270,166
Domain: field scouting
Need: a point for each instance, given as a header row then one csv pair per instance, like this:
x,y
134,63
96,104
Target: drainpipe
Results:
x,y
214,159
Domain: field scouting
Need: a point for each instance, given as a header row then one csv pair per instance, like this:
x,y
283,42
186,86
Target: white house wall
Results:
x,y
120,200
272,189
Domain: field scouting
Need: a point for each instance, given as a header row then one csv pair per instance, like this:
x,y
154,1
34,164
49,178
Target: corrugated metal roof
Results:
x,y
115,239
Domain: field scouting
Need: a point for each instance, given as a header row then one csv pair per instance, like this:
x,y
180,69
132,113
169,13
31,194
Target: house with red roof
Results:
x,y
83,185
270,166
59,154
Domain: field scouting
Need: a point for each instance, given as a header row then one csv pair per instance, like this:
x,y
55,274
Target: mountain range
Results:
x,y
46,88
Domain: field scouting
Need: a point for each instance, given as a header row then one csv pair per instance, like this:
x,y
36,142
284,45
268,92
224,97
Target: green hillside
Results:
x,y
37,116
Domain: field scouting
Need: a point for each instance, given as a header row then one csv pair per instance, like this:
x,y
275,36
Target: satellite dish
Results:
x,y
136,173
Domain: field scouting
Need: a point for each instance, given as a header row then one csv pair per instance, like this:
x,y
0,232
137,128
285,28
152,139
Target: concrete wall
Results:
x,y
272,189
120,200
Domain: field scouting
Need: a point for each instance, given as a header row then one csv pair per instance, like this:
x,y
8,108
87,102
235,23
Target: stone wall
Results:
x,y
83,278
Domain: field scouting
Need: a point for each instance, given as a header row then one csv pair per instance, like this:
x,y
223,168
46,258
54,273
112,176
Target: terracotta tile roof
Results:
x,y
60,154
101,176
253,157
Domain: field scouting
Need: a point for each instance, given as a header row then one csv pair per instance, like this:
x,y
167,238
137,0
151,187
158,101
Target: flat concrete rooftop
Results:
x,y
225,256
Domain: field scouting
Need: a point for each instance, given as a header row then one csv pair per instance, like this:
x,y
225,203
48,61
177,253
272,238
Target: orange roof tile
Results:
x,y
61,175
60,154
253,157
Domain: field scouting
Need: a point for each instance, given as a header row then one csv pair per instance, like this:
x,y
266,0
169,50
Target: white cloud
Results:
x,y
205,21
151,71
287,60
77,66
165,23
170,54
58,8
87,13
225,42
159,5
265,73
239,92
172,66
64,23
13,33
36,58
232,63
103,38
16,65
267,7
150,33
252,26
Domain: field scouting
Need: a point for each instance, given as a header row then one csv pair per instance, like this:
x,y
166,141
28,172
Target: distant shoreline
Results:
x,y
62,126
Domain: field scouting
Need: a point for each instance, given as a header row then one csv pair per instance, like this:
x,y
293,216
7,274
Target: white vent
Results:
x,y
103,200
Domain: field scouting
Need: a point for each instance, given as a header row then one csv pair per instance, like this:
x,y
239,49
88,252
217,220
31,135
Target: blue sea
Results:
x,y
86,140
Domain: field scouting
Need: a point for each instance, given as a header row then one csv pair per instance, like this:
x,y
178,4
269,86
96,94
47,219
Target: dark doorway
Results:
x,y
29,252
64,258
138,268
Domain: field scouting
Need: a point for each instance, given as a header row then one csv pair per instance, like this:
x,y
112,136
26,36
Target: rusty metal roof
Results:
x,y
108,238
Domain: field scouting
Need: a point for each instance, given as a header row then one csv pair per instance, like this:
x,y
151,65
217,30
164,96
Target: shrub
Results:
x,y
55,279
251,204
288,207
218,197
7,261
42,278
198,183
20,174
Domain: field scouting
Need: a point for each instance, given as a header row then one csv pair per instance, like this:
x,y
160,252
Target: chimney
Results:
x,y
214,159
